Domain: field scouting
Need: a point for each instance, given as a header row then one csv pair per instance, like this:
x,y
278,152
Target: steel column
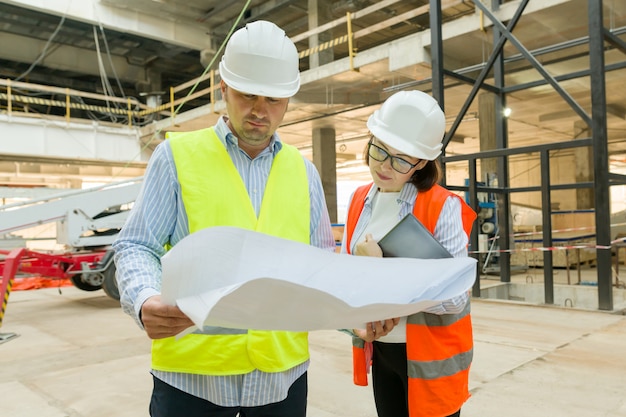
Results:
x,y
600,153
436,58
473,195
546,214
502,142
436,52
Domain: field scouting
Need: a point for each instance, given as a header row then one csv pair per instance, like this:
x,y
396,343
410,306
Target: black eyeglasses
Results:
x,y
379,154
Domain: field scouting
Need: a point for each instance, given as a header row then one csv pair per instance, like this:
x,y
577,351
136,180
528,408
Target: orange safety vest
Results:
x,y
439,347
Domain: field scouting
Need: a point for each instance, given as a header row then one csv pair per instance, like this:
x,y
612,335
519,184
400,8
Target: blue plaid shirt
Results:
x,y
158,217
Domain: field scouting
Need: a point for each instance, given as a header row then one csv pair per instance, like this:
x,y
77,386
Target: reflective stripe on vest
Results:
x,y
438,364
439,347
215,195
430,358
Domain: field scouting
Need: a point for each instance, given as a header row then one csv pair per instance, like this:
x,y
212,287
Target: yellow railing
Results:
x,y
26,93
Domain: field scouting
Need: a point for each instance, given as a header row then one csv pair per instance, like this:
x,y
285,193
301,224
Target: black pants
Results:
x,y
390,380
168,401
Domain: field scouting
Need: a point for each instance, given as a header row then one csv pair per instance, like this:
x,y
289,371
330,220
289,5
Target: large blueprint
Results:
x,y
230,277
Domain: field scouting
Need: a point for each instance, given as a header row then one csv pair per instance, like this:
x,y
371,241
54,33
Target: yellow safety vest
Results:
x,y
215,195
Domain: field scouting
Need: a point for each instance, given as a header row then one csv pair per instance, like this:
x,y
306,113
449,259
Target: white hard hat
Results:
x,y
411,122
260,59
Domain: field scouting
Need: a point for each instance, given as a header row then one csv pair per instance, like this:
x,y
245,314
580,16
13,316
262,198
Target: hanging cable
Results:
x,y
104,79
108,52
43,53
207,69
101,70
106,47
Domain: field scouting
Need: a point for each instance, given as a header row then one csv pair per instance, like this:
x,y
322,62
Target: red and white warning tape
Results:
x,y
555,248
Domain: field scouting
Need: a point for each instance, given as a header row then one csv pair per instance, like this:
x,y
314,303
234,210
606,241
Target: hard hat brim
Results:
x,y
253,87
411,149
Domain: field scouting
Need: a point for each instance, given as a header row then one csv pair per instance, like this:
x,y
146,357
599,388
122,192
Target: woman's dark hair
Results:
x,y
423,179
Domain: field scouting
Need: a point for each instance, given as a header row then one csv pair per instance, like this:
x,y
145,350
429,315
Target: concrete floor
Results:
x,y
78,355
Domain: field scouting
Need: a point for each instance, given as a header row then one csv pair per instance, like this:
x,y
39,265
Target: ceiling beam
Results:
x,y
616,110
122,19
254,13
562,114
66,58
612,109
36,160
338,97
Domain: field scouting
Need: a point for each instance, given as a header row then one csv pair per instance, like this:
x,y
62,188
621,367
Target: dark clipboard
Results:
x,y
411,239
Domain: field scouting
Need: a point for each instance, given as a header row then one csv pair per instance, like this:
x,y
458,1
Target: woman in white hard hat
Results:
x,y
420,364
217,176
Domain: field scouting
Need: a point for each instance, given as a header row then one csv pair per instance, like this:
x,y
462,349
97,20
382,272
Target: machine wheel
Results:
x,y
86,282
109,285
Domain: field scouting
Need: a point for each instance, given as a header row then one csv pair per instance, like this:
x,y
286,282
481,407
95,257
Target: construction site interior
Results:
x,y
533,93
535,103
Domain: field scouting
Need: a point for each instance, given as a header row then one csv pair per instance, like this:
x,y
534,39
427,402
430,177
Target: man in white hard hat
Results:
x,y
236,173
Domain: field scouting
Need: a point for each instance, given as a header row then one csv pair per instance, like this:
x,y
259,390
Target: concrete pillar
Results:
x,y
325,159
318,15
583,167
76,183
152,84
487,130
152,92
